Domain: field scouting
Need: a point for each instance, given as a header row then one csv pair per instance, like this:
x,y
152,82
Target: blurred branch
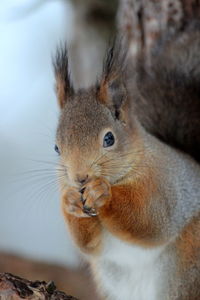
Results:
x,y
15,288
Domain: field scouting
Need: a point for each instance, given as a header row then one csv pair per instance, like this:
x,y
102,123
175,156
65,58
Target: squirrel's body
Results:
x,y
131,202
133,271
152,264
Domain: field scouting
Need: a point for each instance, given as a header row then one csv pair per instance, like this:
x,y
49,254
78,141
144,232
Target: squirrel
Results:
x,y
130,200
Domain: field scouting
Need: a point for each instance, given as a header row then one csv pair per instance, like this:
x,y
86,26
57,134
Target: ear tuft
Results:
x,y
64,88
112,89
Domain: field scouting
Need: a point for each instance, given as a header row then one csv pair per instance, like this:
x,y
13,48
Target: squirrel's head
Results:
x,y
96,134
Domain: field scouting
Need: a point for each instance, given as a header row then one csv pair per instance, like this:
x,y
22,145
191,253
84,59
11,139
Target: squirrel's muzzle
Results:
x,y
82,178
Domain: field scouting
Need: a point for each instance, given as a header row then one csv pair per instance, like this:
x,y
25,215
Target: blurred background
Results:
x,y
34,242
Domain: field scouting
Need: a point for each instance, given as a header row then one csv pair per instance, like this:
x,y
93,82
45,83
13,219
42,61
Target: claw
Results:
x,y
89,211
82,190
83,200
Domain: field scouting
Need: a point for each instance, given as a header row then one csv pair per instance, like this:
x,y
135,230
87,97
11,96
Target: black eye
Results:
x,y
108,140
57,149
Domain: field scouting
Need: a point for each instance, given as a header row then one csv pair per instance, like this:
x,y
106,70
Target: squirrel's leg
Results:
x,y
85,230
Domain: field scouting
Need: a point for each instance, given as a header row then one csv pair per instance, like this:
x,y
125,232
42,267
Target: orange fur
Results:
x,y
188,245
104,95
60,89
86,232
128,215
103,92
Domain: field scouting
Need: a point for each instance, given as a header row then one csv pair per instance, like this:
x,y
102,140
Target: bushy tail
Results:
x,y
164,47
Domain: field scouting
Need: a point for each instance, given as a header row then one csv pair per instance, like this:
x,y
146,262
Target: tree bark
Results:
x,y
143,22
15,288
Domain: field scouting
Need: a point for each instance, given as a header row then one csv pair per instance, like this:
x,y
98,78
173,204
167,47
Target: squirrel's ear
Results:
x,y
112,90
64,88
113,94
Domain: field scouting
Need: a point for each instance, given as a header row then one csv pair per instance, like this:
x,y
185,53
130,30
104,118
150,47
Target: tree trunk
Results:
x,y
143,22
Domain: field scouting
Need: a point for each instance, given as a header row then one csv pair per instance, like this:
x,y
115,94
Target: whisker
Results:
x,y
40,171
48,162
98,158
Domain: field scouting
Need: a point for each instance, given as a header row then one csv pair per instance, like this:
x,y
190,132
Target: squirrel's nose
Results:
x,y
82,178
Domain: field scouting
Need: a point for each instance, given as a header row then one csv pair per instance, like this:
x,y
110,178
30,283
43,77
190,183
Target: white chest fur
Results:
x,y
129,272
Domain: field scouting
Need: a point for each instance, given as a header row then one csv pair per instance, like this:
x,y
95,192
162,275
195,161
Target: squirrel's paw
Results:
x,y
94,195
72,203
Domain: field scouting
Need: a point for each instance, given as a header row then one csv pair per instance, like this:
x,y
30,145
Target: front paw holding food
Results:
x,y
72,203
94,195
